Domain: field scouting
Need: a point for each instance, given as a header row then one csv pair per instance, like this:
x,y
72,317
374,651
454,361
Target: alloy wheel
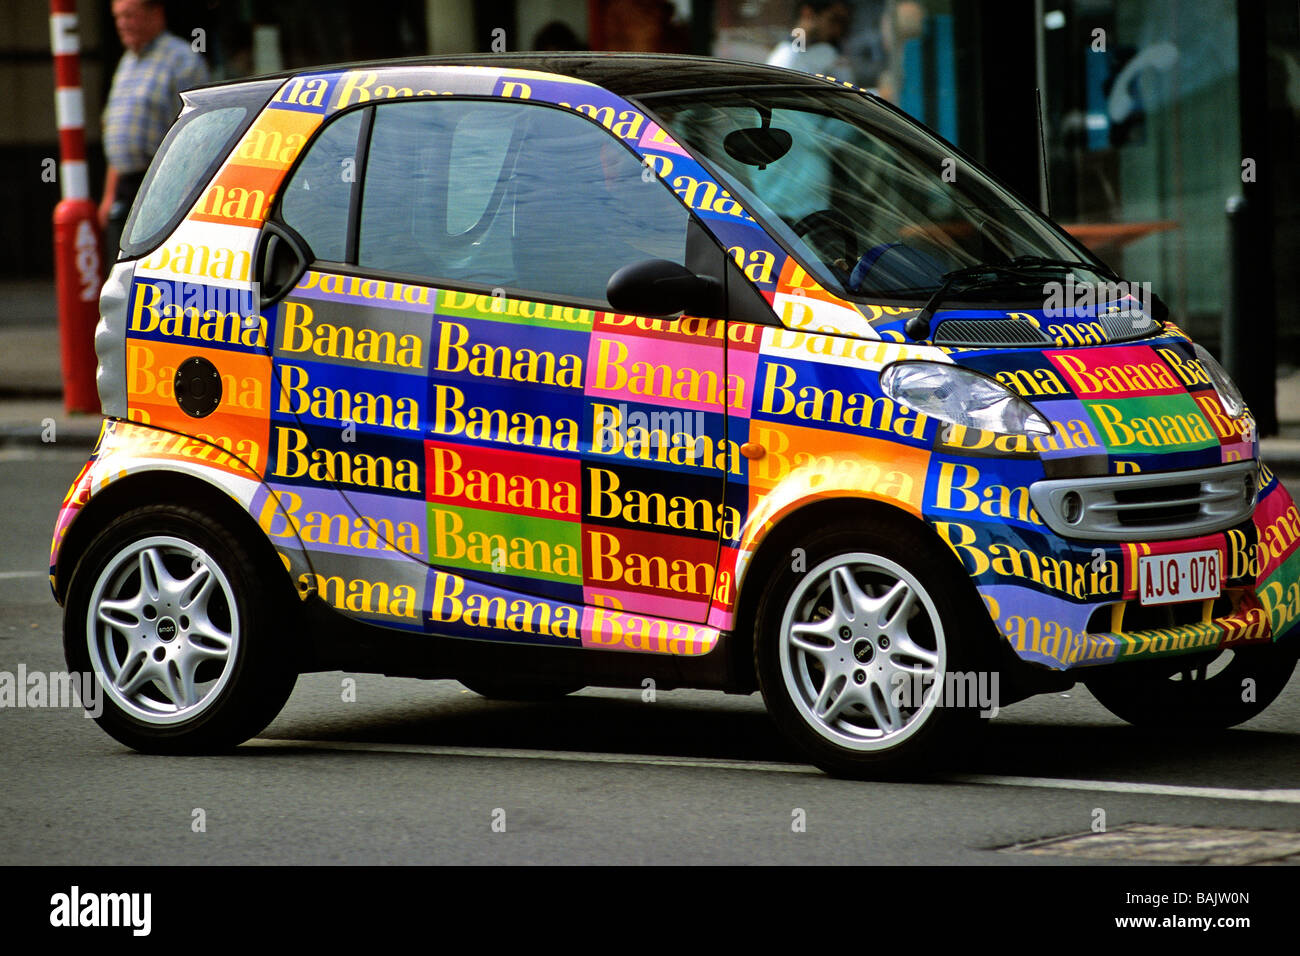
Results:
x,y
163,629
862,651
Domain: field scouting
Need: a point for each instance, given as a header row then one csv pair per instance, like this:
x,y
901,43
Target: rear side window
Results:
x,y
315,201
479,150
184,161
513,195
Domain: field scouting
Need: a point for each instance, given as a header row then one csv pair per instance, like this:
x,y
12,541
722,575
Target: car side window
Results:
x,y
520,196
315,201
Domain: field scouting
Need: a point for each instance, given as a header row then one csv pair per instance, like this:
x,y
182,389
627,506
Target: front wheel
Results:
x,y
176,622
1208,691
869,659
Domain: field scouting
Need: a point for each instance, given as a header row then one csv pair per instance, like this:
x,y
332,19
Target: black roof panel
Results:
x,y
627,74
637,74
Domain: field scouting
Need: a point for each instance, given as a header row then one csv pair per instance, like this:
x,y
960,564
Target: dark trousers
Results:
x,y
128,184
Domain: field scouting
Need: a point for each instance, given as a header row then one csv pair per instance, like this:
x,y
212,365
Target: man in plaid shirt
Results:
x,y
141,104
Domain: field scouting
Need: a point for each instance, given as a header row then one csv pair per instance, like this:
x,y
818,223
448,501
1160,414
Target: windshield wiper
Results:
x,y
1020,267
1030,261
918,326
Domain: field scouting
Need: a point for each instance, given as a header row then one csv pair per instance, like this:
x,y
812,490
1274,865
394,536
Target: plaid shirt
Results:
x,y
143,100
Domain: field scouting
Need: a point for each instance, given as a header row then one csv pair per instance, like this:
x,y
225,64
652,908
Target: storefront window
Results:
x,y
1145,142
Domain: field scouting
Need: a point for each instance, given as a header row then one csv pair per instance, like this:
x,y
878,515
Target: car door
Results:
x,y
456,354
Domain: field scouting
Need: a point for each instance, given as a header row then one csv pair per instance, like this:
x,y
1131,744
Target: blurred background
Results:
x,y
1158,113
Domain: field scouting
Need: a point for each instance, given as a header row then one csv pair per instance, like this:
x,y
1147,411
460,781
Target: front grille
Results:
x,y
1118,327
1161,504
1126,324
1148,507
978,332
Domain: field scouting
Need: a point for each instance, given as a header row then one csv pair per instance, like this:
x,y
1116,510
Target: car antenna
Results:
x,y
1044,191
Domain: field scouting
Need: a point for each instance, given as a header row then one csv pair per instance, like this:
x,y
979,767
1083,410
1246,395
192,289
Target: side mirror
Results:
x,y
658,287
281,259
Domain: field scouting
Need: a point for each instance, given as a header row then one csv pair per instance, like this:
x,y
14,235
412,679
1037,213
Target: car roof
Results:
x,y
625,74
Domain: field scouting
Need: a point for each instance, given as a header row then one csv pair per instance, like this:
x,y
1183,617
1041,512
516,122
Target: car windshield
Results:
x,y
870,203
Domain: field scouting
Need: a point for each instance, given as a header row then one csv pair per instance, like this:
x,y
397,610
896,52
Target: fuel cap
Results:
x,y
198,387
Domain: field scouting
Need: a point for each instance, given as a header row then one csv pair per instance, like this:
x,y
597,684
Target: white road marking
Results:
x,y
46,453
979,779
568,755
7,575
1122,786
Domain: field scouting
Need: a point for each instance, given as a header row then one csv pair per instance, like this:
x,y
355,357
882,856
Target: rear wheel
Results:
x,y
175,620
1208,691
870,658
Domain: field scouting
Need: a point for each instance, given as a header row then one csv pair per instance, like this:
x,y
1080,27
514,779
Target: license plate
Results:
x,y
1170,578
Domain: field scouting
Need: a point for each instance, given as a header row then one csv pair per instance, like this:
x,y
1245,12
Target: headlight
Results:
x,y
1229,395
958,395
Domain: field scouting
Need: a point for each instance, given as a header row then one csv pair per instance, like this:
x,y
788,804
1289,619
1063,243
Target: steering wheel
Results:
x,y
822,228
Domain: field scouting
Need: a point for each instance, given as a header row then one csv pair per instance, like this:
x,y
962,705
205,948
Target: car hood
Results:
x,y
1139,405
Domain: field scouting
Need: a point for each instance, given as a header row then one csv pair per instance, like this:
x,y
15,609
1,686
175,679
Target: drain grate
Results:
x,y
1166,843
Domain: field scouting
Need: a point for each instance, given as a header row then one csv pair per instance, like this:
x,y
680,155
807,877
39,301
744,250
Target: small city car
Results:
x,y
540,372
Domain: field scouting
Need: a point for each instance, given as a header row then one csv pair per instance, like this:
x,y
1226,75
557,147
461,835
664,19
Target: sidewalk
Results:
x,y
31,389
31,379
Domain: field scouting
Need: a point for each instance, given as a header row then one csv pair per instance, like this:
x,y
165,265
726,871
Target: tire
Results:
x,y
177,622
852,653
1202,691
512,688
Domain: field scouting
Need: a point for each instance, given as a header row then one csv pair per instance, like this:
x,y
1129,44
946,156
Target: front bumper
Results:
x,y
1066,603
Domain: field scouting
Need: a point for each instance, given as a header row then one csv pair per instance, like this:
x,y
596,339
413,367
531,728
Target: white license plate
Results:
x,y
1170,578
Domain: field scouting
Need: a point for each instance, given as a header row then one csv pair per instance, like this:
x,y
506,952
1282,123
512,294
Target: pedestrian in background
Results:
x,y
815,48
794,186
141,105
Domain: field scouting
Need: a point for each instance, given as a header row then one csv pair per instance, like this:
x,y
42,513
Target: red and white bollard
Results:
x,y
77,270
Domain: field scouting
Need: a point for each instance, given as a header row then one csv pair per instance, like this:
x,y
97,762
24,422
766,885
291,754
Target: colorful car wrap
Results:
x,y
467,464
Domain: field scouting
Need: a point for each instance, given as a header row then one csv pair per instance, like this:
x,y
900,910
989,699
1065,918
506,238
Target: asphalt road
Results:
x,y
419,772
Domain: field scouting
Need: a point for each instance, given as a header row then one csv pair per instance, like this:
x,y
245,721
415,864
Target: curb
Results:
x,y
34,393
1282,455
66,436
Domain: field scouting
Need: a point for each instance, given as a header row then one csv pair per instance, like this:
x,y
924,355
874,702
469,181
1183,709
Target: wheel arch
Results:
x,y
158,485
778,542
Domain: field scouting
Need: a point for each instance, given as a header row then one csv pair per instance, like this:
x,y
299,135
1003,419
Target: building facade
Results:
x,y
1158,116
